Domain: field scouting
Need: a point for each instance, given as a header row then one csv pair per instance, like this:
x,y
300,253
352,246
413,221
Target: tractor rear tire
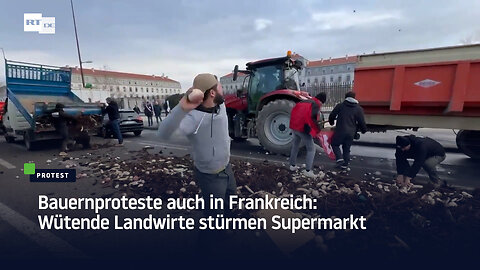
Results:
x,y
468,141
273,123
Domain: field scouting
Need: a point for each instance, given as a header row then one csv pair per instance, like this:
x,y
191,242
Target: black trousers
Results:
x,y
346,141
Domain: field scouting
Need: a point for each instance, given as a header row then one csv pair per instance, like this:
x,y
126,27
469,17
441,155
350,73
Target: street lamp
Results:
x,y
78,46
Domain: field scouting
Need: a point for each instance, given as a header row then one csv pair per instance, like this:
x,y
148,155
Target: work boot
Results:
x,y
339,163
294,168
309,173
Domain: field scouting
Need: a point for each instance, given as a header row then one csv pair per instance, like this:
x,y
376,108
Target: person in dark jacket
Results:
x,y
114,118
157,109
304,123
61,123
426,153
350,118
148,110
166,107
136,109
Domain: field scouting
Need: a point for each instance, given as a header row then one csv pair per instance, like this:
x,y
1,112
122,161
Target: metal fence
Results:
x,y
335,93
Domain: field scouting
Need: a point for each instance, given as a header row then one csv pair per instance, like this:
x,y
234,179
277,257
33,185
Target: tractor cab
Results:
x,y
269,75
264,111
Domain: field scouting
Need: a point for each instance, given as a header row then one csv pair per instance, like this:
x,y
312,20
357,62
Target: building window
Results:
x,y
308,81
136,89
147,89
124,89
130,89
129,82
111,88
331,79
348,78
339,79
118,88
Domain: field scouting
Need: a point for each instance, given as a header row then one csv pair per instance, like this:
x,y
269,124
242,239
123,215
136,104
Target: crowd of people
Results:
x,y
153,110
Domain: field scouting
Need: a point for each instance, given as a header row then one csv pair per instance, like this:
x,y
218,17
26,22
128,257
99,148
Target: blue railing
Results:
x,y
28,78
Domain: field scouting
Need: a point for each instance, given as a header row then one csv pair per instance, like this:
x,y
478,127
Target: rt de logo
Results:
x,y
34,22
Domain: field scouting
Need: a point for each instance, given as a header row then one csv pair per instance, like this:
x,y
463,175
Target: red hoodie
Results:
x,y
304,116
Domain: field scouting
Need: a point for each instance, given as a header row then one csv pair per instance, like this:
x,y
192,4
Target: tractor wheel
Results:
x,y
273,129
468,141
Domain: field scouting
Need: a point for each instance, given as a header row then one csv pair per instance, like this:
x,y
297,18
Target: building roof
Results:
x,y
231,75
106,73
333,61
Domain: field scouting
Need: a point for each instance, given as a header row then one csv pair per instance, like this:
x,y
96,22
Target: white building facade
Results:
x,y
231,87
128,89
329,71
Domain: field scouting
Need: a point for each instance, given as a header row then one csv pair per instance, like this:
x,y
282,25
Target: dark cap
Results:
x,y
402,141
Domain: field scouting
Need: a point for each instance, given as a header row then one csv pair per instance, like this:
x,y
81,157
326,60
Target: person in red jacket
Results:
x,y
304,125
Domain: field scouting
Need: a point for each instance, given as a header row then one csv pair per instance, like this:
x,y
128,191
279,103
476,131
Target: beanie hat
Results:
x,y
402,141
204,81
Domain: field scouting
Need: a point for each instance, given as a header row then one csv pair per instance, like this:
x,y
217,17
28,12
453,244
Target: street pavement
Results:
x,y
19,197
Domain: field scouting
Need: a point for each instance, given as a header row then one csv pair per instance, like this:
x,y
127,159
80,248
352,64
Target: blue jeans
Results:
x,y
220,185
115,126
307,139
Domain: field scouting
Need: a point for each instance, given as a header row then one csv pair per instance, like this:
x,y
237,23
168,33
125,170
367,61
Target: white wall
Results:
x,y
91,95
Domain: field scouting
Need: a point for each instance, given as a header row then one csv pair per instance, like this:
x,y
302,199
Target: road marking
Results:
x,y
7,164
43,238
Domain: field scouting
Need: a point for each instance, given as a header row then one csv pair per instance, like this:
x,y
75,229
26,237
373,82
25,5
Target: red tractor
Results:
x,y
264,110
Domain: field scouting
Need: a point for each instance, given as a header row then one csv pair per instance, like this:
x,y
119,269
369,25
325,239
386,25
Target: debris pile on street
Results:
x,y
414,219
82,122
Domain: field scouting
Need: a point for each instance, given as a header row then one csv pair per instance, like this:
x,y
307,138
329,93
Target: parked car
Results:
x,y
129,120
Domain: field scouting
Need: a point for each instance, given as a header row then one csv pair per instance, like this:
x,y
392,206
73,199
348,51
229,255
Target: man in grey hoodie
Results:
x,y
205,124
350,118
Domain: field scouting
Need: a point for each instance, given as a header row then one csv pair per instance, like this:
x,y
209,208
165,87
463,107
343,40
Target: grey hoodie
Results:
x,y
207,133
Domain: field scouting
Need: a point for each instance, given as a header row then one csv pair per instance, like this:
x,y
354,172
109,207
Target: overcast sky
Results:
x,y
181,38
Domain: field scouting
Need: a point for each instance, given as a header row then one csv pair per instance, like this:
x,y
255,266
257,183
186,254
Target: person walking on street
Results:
x,y
157,109
136,109
304,123
203,119
426,153
61,124
166,107
349,118
148,110
113,118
